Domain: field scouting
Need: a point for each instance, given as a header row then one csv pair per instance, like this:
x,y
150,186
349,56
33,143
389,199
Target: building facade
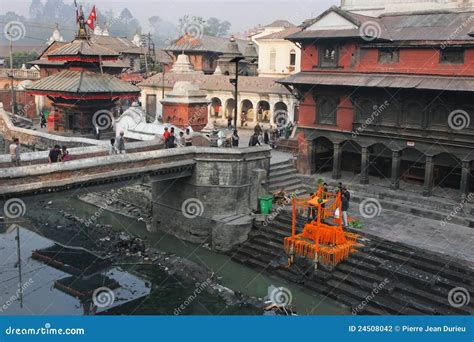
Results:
x,y
388,97
203,51
260,99
278,57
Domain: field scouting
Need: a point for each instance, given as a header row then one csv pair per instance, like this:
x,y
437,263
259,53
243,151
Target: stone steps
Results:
x,y
417,281
284,176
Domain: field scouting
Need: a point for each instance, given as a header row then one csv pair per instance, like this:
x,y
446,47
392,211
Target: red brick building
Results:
x,y
388,96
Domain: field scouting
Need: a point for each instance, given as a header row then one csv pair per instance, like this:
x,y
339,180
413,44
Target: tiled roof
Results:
x,y
281,34
203,43
280,23
107,64
436,26
75,81
83,47
252,84
119,44
444,83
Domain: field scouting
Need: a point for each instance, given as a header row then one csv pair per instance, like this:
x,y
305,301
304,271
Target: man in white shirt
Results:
x,y
15,152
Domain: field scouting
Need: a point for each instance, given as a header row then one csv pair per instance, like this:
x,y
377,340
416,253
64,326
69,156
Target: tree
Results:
x,y
217,28
36,9
191,25
163,31
20,58
197,26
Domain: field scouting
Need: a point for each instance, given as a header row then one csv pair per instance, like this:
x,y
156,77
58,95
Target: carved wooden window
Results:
x,y
388,56
452,56
328,56
326,110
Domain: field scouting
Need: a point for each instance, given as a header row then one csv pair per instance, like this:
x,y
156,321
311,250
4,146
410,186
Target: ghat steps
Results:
x,y
408,281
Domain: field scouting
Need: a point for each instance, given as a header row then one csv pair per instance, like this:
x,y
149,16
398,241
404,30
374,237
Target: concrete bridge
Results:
x,y
212,181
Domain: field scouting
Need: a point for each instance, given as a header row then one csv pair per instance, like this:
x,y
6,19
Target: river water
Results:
x,y
166,293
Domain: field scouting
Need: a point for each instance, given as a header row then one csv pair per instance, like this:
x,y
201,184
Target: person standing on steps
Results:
x,y
235,139
345,197
54,154
121,143
188,138
15,152
166,135
42,120
112,148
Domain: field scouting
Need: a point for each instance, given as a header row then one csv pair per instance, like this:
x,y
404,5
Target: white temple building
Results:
x,y
56,36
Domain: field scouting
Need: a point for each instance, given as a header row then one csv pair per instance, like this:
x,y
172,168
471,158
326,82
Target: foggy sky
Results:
x,y
242,14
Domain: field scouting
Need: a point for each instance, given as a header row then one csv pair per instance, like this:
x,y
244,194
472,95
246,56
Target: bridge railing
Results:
x,y
20,74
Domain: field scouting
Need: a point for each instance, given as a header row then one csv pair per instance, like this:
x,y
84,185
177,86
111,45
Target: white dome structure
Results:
x,y
133,123
182,65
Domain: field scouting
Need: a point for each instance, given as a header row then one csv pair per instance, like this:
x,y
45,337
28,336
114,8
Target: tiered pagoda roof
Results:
x,y
83,84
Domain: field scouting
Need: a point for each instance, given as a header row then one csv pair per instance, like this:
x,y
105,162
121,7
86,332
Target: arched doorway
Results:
x,y
280,113
447,171
351,157
215,108
380,161
229,108
263,111
247,114
412,166
323,155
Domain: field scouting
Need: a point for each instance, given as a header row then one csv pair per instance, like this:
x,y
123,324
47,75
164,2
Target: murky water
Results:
x,y
168,293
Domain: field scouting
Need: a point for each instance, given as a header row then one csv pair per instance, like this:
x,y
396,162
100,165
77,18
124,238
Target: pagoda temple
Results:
x,y
82,88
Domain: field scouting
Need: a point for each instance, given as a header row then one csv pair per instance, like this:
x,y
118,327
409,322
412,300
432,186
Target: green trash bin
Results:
x,y
265,204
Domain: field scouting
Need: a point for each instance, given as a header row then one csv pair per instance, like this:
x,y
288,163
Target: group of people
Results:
x,y
345,198
56,154
183,139
271,135
59,154
117,146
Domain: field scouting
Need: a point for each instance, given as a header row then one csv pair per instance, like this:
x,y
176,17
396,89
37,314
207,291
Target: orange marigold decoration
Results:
x,y
323,239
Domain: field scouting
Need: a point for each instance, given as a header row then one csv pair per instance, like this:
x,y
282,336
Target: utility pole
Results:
x,y
235,82
20,282
13,109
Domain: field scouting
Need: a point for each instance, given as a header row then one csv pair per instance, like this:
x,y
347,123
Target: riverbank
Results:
x,y
57,220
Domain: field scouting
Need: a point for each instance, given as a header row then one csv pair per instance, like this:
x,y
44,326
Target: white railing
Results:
x,y
20,73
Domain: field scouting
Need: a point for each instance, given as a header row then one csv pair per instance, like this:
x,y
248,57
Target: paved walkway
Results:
x,y
452,240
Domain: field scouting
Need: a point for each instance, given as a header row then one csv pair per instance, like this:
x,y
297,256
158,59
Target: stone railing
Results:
x,y
20,74
37,140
